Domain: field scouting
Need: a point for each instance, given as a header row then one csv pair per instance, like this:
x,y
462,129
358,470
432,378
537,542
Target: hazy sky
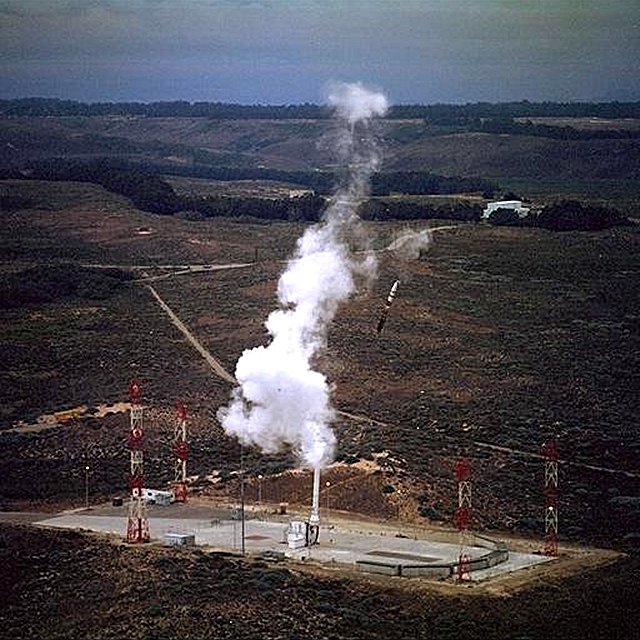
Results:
x,y
285,51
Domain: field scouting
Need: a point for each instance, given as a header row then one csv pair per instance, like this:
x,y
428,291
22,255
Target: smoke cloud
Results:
x,y
281,399
410,244
354,102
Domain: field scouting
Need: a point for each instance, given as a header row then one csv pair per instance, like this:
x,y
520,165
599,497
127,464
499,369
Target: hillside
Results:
x,y
508,156
500,338
180,144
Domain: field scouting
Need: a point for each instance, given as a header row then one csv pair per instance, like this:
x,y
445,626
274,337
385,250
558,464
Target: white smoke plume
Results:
x,y
355,103
410,244
281,399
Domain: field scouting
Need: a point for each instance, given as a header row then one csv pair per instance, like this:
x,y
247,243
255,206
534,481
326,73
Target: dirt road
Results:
x,y
217,368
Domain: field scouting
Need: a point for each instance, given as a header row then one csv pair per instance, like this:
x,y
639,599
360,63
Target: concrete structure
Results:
x,y
512,205
297,534
375,548
172,539
299,193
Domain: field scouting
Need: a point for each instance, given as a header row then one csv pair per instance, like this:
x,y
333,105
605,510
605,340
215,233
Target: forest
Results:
x,y
149,192
563,215
435,114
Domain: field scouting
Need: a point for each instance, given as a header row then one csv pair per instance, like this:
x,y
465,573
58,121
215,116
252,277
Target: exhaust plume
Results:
x,y
281,398
410,244
353,102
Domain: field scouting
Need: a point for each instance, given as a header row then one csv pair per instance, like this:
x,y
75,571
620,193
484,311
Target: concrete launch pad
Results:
x,y
376,548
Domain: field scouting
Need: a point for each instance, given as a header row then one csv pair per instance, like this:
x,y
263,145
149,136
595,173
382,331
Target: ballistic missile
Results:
x,y
387,306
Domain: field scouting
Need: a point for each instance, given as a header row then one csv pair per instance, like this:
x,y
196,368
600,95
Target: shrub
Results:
x,y
570,215
46,283
504,217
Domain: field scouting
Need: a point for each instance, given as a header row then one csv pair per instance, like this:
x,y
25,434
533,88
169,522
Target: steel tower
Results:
x,y
137,523
550,452
462,516
181,453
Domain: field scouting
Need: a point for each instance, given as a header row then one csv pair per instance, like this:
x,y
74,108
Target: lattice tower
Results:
x,y
137,522
463,515
181,454
550,452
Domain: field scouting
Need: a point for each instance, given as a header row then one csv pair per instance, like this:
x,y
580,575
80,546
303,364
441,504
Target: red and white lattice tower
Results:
x,y
181,453
550,452
462,516
137,523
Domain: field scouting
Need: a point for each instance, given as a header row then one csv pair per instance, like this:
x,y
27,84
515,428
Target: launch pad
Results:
x,y
368,547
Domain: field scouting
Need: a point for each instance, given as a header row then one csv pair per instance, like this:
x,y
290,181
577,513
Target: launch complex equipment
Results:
x,y
385,312
314,517
137,523
181,453
305,534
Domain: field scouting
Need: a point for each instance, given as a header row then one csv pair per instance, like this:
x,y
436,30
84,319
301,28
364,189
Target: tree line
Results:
x,y
383,183
147,192
528,128
563,215
150,192
433,114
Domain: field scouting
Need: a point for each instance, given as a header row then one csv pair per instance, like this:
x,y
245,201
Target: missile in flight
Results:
x,y
387,306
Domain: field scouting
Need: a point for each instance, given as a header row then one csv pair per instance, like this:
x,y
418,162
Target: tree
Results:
x,y
504,217
568,215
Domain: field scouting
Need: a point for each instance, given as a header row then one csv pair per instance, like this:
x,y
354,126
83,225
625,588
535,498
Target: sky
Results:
x,y
288,51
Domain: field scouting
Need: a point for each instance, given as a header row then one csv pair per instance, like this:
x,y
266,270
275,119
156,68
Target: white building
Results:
x,y
172,539
156,496
513,205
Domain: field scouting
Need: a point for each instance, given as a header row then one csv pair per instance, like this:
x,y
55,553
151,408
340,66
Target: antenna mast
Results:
x,y
181,453
462,516
137,523
550,452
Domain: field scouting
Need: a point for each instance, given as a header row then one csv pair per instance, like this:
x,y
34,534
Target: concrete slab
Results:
x,y
338,544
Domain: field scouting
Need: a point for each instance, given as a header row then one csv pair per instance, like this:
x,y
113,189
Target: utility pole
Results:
x,y
86,487
242,494
328,485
